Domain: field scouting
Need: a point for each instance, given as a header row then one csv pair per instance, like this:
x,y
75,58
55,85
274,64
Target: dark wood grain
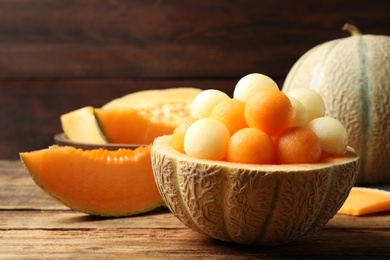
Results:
x,y
181,243
30,110
57,55
170,39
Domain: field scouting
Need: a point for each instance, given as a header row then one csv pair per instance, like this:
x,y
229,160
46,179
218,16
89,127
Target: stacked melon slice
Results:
x,y
136,118
103,182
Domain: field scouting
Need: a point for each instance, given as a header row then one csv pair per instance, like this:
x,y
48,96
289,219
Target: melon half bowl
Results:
x,y
252,204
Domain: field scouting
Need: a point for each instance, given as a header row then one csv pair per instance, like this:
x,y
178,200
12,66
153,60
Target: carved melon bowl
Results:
x,y
252,204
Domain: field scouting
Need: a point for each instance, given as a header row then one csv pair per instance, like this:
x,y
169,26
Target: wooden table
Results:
x,y
34,226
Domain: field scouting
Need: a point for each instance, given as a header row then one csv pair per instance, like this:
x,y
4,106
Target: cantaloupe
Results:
x,y
352,76
171,98
131,126
98,181
135,118
363,201
249,203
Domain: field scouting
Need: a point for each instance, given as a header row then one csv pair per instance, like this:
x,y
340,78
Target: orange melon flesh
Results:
x,y
97,182
152,97
362,201
136,118
131,126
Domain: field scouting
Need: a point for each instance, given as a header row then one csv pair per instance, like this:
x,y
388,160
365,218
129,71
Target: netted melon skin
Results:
x,y
245,204
352,76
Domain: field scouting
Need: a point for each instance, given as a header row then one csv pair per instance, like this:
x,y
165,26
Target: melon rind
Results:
x,y
252,204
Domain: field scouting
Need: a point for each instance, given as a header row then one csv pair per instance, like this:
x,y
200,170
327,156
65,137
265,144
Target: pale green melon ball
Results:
x,y
205,102
249,84
300,118
311,100
332,134
206,138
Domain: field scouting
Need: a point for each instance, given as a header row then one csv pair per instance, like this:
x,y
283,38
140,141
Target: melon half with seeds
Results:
x,y
265,204
136,118
97,182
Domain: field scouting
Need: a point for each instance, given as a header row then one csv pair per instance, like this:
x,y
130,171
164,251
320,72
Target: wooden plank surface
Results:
x,y
41,228
71,234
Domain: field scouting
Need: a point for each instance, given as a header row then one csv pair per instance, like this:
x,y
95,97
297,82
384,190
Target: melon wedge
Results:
x,y
97,182
136,118
154,97
363,201
81,126
131,126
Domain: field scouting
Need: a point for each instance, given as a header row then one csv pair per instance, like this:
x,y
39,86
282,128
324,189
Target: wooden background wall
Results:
x,y
60,55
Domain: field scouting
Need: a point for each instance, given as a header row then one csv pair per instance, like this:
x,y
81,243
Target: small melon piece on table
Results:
x,y
362,201
97,182
80,125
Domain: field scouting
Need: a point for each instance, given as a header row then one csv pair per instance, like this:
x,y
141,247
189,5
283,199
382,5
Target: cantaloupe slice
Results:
x,y
142,116
362,201
131,126
97,182
154,97
81,125
136,118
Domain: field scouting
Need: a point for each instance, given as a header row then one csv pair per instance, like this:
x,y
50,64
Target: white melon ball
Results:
x,y
205,102
300,118
332,134
312,101
206,138
249,84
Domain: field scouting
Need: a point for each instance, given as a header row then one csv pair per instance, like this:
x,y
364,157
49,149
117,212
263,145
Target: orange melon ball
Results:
x,y
270,110
298,145
250,145
177,141
231,113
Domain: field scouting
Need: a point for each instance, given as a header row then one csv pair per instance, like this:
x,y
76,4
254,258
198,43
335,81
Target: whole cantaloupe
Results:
x,y
352,75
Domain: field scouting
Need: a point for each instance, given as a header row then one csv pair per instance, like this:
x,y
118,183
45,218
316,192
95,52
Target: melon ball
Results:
x,y
249,84
311,100
300,118
332,134
205,102
206,138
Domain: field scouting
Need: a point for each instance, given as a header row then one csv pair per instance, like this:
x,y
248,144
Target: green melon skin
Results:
x,y
252,204
352,75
